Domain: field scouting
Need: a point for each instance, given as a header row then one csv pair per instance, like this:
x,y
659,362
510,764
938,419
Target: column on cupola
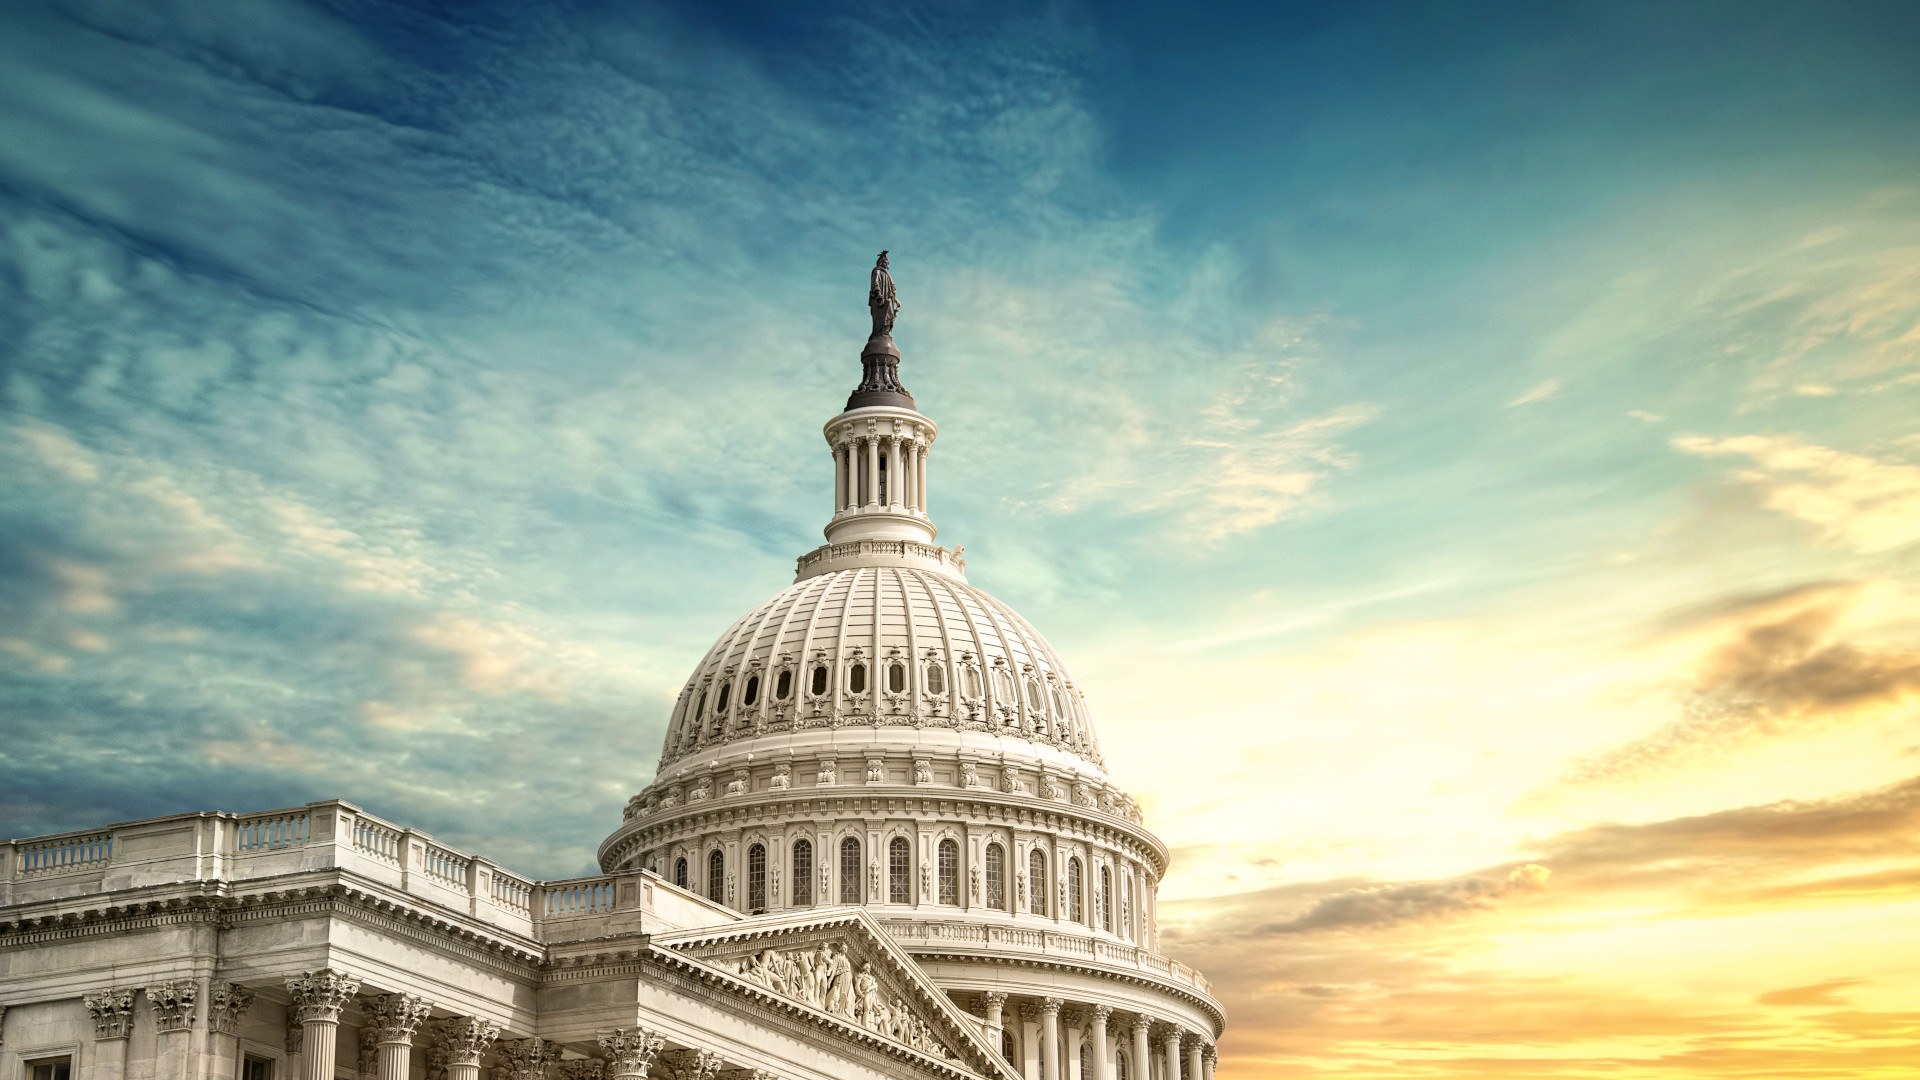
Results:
x,y
897,494
1195,1057
112,1013
630,1052
1050,1038
467,1039
873,472
391,1021
1142,1050
908,487
1097,1035
996,1018
173,1012
227,1004
839,478
318,997
1173,1051
920,477
1212,1058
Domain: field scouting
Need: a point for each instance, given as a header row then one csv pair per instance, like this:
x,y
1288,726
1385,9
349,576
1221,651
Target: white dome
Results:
x,y
881,646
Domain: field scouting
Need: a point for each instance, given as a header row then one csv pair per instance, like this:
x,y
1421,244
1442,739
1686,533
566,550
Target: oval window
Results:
x,y
783,685
973,682
820,680
897,678
1059,703
701,709
752,693
720,703
1002,684
857,679
1034,700
936,679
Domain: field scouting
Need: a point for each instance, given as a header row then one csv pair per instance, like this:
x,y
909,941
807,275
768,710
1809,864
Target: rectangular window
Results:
x,y
802,873
899,871
757,878
996,877
257,1068
59,1068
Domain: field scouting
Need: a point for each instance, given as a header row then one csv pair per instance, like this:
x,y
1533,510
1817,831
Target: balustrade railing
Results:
x,y
1049,941
446,866
65,855
579,898
512,893
272,831
375,839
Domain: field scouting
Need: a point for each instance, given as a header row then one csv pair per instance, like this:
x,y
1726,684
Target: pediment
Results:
x,y
838,963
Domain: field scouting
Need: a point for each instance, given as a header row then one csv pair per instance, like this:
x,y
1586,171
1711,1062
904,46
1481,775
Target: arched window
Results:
x,y
720,703
936,678
783,686
996,877
949,872
752,693
850,870
857,678
1003,685
1073,890
1126,906
970,679
899,872
717,876
1086,1061
1006,1044
1037,881
1119,1066
897,678
1106,899
756,878
680,871
802,873
819,679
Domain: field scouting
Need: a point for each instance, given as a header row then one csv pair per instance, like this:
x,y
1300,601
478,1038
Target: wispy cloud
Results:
x,y
1851,499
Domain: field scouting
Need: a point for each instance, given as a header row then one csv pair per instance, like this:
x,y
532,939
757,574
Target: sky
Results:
x,y
1469,454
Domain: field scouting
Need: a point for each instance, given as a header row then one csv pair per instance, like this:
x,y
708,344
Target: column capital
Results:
x,y
529,1059
112,1012
996,997
583,1069
227,1003
172,1004
393,1018
692,1064
1142,1022
321,993
1099,1013
467,1038
1073,1018
630,1051
1051,1006
1191,1040
1029,1013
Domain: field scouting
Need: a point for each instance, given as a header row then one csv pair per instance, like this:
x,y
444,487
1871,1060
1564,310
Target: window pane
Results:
x,y
1037,883
680,872
850,871
1073,890
857,679
949,872
752,693
820,680
721,704
897,678
716,877
258,1068
783,685
757,878
802,872
936,679
899,886
996,877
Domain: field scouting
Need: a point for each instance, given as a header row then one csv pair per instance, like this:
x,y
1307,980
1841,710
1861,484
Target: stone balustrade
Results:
x,y
340,837
924,934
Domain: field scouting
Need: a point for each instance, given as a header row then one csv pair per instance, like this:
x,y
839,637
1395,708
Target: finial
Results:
x,y
881,299
880,360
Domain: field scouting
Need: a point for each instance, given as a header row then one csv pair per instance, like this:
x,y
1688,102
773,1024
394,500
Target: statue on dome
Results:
x,y
881,299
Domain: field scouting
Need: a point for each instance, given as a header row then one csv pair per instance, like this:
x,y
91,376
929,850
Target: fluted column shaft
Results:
x,y
1142,1052
996,1018
391,1021
873,473
1097,1035
920,477
1213,1055
839,479
1173,1054
1050,1039
897,494
1195,1059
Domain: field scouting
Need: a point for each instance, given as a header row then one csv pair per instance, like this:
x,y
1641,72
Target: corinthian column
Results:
x,y
1142,1052
226,1004
112,1012
630,1052
996,1018
1050,1038
873,472
1097,1035
467,1039
172,1004
391,1020
897,493
1173,1052
317,999
1195,1056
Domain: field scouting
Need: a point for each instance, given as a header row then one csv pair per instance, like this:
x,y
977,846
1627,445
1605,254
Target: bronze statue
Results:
x,y
881,300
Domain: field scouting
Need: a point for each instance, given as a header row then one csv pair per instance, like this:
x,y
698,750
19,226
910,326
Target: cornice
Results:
x,y
1204,1003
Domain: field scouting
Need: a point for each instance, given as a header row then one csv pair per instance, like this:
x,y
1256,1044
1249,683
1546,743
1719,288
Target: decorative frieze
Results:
x,y
112,1012
630,1052
227,1003
172,1004
825,979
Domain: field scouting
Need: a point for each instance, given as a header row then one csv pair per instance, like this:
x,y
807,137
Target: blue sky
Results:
x,y
1433,432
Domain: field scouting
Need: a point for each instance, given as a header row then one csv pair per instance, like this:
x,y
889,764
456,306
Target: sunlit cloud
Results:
x,y
1862,502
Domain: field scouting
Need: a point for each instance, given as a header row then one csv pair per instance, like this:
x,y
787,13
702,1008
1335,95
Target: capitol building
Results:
x,y
881,842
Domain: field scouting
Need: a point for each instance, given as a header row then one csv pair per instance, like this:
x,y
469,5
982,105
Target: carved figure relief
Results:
x,y
922,771
782,776
969,775
738,785
876,770
828,767
825,979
